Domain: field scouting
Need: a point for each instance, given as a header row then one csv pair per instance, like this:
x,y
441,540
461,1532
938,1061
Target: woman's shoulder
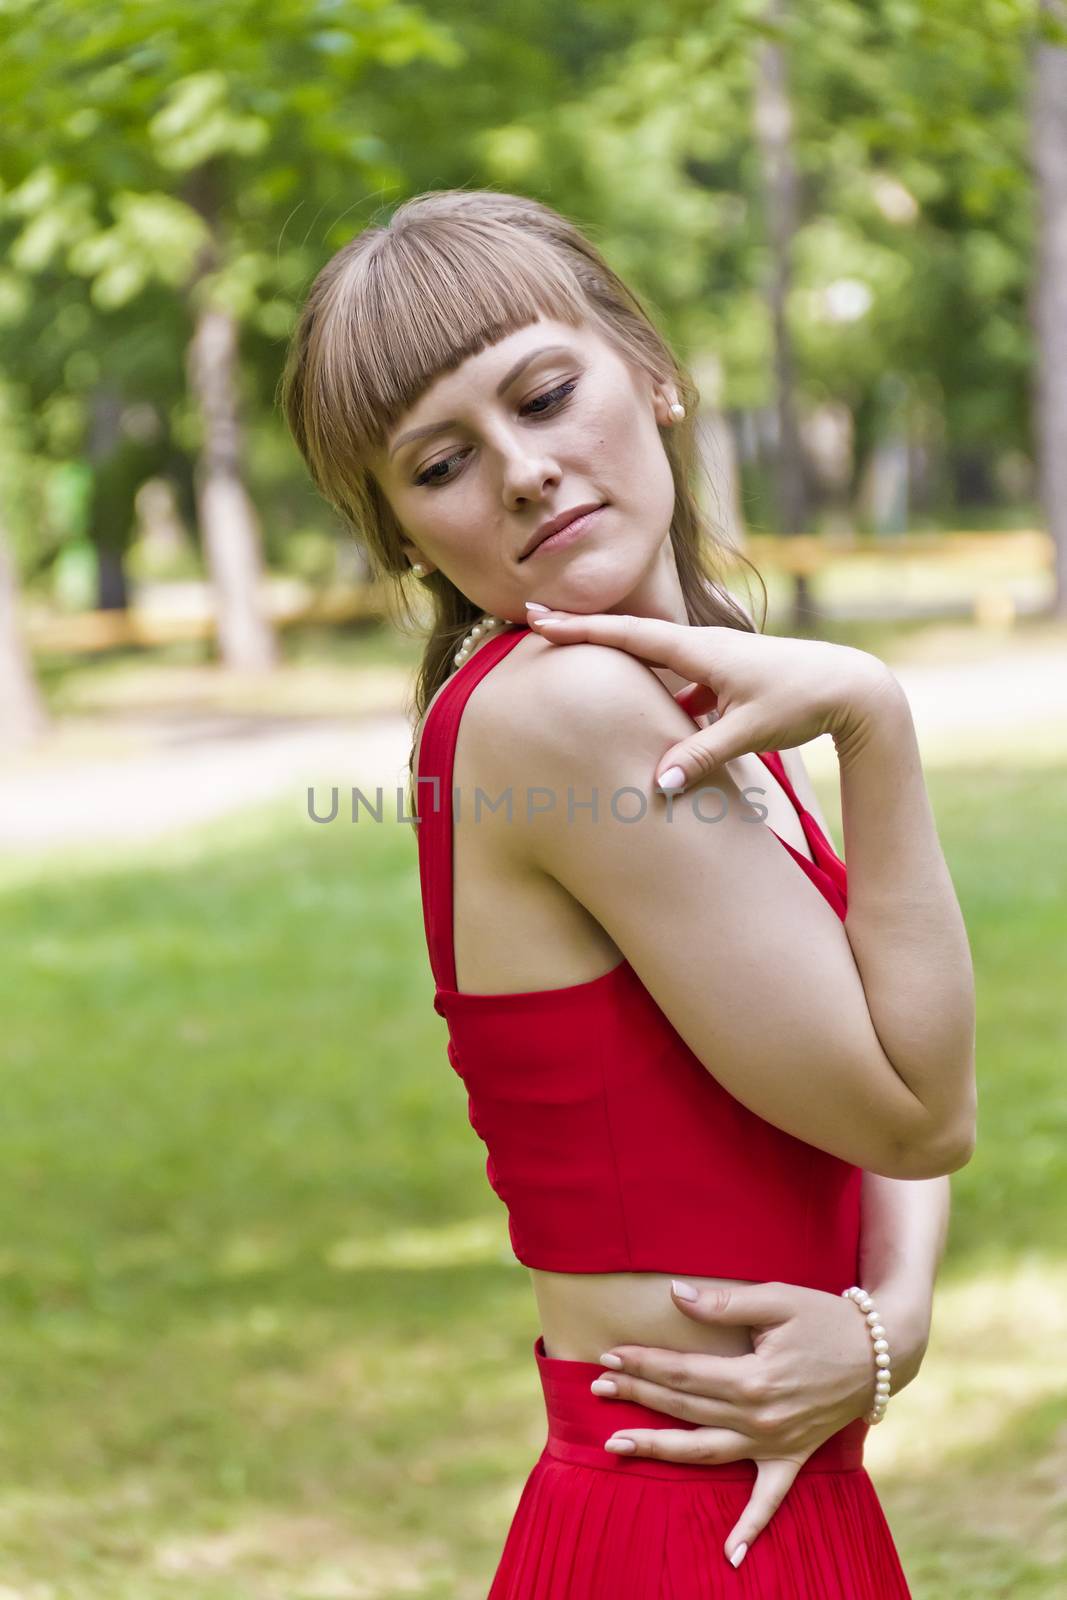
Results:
x,y
554,721
546,696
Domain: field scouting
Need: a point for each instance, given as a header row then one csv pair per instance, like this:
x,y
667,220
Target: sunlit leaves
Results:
x,y
198,121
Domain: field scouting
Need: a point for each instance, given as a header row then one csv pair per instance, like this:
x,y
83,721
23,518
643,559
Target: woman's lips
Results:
x,y
567,535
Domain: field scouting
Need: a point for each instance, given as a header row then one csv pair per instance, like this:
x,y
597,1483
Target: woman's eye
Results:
x,y
550,401
564,389
429,477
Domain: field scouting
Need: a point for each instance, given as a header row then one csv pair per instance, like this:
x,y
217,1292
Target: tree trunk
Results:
x,y
717,452
109,540
229,526
774,134
1049,141
228,523
22,714
828,436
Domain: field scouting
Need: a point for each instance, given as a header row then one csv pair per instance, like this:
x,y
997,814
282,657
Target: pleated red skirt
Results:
x,y
591,1525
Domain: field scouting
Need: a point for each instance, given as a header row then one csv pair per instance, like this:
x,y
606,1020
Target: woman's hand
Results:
x,y
811,1373
768,693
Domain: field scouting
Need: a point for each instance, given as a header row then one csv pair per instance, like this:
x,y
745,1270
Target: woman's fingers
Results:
x,y
774,1479
654,641
775,1476
697,1445
697,759
709,1412
735,1378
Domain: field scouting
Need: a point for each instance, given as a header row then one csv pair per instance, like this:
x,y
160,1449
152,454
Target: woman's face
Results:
x,y
547,419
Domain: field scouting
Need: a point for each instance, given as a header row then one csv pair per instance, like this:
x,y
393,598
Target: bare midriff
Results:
x,y
585,1313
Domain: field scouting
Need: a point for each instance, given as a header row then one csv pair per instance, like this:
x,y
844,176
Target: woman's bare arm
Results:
x,y
904,1223
904,921
888,843
904,1226
735,944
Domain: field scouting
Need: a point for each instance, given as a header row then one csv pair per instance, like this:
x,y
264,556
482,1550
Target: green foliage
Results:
x,y
156,153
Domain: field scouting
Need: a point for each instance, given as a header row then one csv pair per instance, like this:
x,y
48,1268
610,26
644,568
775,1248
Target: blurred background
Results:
x,y
263,1334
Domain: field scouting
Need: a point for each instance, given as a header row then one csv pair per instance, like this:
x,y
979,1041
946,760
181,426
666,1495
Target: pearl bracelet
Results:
x,y
861,1298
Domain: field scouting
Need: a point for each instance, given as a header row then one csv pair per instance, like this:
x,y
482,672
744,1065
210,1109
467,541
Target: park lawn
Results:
x,y
263,1336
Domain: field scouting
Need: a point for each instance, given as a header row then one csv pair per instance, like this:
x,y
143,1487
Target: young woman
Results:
x,y
691,1045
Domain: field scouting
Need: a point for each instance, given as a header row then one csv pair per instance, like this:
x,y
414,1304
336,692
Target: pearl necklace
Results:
x,y
481,630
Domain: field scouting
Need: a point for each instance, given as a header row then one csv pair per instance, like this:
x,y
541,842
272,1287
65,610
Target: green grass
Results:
x,y
263,1336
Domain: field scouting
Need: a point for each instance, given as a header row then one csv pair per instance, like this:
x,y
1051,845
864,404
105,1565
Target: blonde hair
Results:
x,y
453,271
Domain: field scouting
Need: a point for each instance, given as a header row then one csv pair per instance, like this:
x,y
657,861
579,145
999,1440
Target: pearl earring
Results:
x,y
677,410
419,568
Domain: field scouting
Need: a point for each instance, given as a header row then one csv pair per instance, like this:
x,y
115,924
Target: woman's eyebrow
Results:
x,y
509,377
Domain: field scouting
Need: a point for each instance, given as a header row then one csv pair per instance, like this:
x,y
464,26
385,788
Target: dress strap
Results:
x,y
433,801
827,870
773,759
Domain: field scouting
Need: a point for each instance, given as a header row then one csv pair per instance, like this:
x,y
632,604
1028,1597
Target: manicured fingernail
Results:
x,y
611,1361
532,605
623,1446
739,1555
673,778
604,1386
684,1291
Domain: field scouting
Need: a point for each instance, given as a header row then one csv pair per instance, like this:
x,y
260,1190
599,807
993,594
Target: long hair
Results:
x,y
452,272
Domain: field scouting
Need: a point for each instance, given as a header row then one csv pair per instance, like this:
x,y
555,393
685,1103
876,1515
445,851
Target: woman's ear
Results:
x,y
664,397
415,559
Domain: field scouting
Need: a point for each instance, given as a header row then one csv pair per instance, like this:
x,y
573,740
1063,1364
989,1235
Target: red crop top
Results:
x,y
612,1146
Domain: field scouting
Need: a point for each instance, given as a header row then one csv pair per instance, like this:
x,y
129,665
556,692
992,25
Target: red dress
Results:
x,y
615,1149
